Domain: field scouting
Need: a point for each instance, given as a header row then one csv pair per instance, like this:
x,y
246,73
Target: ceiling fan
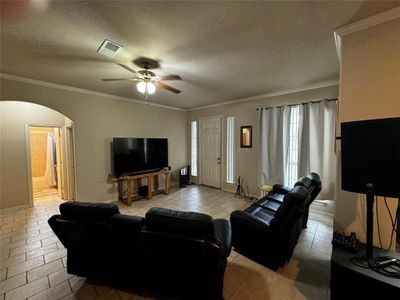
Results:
x,y
148,81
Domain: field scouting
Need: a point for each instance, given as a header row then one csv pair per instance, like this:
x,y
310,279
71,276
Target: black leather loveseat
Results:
x,y
171,252
268,230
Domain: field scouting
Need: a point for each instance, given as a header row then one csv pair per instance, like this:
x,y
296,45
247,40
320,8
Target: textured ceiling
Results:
x,y
223,50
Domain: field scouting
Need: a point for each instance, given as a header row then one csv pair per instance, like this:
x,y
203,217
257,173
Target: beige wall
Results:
x,y
38,141
246,114
14,116
369,89
97,120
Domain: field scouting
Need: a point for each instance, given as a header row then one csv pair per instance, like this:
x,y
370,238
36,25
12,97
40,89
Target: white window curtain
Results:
x,y
317,142
273,135
315,145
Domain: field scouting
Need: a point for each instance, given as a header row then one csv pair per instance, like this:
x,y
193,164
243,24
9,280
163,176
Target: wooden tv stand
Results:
x,y
125,185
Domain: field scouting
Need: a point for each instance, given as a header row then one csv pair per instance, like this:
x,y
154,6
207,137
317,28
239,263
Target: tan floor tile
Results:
x,y
64,260
59,276
69,297
55,292
76,283
49,240
5,254
41,251
86,291
44,270
55,255
12,283
39,237
13,245
25,266
13,260
28,290
125,295
234,275
3,274
25,248
109,295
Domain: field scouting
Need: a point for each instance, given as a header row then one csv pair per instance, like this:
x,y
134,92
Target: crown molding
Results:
x,y
82,91
272,94
368,22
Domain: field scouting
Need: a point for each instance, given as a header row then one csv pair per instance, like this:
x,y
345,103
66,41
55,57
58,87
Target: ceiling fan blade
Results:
x,y
167,87
170,77
128,68
118,79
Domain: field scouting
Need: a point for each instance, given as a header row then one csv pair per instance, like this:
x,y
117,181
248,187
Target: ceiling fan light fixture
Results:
x,y
151,88
143,86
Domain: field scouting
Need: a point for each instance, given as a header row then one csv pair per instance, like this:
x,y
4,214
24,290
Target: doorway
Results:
x,y
51,163
210,151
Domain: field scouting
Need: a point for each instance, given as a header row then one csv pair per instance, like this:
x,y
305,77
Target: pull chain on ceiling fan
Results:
x,y
147,81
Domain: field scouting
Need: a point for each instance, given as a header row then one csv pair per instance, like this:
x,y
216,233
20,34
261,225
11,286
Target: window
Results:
x,y
230,149
292,167
193,169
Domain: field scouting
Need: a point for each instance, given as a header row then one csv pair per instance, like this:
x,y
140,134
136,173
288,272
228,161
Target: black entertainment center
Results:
x,y
350,281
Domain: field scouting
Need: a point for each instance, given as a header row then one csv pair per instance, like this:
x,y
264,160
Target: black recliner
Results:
x,y
172,252
268,230
186,251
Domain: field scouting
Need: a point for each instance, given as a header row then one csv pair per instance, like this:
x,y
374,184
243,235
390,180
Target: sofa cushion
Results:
x,y
86,211
179,222
260,213
296,197
304,181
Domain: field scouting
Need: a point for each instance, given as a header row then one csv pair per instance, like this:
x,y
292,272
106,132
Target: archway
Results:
x,y
25,164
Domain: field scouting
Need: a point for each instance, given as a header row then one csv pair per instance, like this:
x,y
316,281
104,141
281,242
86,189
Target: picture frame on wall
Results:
x,y
246,136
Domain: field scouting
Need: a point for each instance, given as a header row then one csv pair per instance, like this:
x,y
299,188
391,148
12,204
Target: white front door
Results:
x,y
210,143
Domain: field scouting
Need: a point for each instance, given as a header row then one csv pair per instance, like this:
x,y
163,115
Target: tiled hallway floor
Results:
x,y
33,260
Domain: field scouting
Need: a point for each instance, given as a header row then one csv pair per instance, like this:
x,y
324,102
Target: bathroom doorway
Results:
x,y
51,163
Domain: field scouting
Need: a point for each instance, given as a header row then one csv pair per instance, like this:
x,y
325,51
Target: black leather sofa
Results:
x,y
180,254
273,200
268,230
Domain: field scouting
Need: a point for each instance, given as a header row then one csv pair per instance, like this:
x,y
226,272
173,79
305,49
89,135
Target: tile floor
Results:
x,y
33,260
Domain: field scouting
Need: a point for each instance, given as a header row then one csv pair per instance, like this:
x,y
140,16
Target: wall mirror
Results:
x,y
246,133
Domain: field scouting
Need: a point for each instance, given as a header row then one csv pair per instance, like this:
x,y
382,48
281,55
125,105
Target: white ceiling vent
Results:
x,y
109,48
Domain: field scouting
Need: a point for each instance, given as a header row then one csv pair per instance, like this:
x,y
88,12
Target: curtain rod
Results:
x,y
303,103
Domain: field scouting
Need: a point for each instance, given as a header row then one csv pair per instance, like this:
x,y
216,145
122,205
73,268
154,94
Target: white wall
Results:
x,y
97,119
369,89
246,114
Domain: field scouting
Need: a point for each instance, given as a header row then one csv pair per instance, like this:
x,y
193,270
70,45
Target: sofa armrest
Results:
x,y
280,189
56,229
223,233
246,218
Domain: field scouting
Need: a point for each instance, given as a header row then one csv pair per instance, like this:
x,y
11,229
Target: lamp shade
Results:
x,y
151,88
142,86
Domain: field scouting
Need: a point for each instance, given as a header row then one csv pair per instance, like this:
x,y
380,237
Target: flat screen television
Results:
x,y
139,155
371,154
